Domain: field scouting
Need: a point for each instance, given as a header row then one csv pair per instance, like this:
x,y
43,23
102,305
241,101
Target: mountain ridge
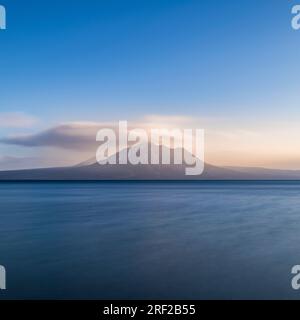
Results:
x,y
90,170
146,172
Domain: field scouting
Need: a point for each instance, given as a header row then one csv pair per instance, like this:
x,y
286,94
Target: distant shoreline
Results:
x,y
152,181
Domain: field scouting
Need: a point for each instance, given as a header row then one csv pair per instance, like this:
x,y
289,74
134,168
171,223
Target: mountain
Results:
x,y
147,172
119,172
90,170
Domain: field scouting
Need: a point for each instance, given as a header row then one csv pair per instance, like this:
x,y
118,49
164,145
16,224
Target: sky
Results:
x,y
229,67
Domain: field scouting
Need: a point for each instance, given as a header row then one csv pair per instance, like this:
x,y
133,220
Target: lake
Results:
x,y
149,240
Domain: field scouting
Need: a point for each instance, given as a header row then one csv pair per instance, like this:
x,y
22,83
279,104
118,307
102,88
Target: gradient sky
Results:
x,y
233,63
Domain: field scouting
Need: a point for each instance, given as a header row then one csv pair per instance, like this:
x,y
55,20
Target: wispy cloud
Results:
x,y
16,120
230,142
82,135
65,136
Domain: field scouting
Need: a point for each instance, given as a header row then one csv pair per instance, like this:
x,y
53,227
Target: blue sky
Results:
x,y
100,60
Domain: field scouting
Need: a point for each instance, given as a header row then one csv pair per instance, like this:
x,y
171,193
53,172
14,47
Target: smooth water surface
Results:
x,y
144,240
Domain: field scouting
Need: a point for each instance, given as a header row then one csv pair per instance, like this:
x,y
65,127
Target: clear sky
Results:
x,y
233,63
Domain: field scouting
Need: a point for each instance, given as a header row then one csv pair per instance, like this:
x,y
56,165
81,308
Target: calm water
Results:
x,y
150,240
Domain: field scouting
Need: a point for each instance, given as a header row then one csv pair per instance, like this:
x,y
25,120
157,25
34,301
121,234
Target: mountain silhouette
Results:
x,y
91,170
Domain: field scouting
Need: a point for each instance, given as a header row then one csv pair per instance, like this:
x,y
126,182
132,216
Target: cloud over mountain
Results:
x,y
82,135
66,136
254,144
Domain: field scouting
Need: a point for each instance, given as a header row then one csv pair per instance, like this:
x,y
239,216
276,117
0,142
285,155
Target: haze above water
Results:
x,y
161,240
